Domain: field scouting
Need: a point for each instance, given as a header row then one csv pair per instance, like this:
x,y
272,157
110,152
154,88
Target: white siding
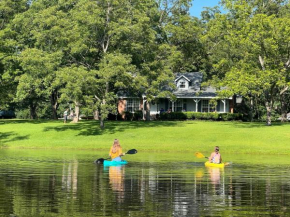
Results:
x,y
182,81
153,109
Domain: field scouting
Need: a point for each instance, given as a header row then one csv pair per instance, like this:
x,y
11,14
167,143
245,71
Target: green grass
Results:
x,y
160,136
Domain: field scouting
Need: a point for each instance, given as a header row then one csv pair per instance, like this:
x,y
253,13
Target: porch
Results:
x,y
193,105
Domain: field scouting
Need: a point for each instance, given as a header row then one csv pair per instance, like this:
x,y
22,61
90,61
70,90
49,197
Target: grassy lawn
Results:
x,y
165,136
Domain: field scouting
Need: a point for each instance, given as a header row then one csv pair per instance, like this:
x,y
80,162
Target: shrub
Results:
x,y
137,115
23,114
200,116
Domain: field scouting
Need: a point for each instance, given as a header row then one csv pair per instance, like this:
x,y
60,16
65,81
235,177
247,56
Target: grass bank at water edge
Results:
x,y
155,136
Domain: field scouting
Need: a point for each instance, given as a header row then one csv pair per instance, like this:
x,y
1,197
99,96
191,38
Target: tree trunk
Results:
x,y
283,108
32,109
77,112
54,104
147,111
269,111
96,115
104,102
102,123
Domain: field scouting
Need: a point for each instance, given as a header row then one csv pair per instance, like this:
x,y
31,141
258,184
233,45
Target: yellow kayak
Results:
x,y
221,165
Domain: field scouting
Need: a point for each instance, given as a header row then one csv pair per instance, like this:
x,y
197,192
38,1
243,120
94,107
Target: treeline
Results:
x,y
60,53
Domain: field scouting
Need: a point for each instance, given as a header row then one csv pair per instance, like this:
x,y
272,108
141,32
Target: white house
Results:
x,y
189,97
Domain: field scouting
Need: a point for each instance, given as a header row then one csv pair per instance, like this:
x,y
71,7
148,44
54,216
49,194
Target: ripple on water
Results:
x,y
48,185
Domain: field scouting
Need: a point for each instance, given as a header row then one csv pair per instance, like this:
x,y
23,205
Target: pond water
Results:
x,y
63,183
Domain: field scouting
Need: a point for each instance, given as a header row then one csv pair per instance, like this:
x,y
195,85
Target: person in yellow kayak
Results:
x,y
215,156
116,151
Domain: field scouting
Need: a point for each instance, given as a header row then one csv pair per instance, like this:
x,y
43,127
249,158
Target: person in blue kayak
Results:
x,y
215,156
116,151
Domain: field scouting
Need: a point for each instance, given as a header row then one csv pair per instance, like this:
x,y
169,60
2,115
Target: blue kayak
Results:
x,y
114,163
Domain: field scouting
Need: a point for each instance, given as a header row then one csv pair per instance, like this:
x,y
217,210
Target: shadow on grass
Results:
x,y
10,137
24,121
91,128
254,124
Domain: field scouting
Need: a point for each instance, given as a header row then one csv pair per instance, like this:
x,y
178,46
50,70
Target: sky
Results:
x,y
197,6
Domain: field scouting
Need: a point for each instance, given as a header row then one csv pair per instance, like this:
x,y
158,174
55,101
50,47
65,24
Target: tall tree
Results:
x,y
8,10
251,52
34,84
41,32
75,84
115,28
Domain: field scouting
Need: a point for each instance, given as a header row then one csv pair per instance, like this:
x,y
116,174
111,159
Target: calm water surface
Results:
x,y
59,183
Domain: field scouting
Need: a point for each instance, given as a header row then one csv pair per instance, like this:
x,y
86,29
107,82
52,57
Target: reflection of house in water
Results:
x,y
116,176
153,180
70,177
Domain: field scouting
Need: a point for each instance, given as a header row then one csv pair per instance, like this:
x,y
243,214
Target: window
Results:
x,y
132,105
207,107
204,106
180,105
182,84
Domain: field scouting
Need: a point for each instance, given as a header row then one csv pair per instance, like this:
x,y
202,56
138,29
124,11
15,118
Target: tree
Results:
x,y
8,10
34,84
251,52
115,72
115,28
41,34
76,83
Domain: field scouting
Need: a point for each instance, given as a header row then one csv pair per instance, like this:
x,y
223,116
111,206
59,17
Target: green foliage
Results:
x,y
9,9
201,116
250,51
85,52
136,116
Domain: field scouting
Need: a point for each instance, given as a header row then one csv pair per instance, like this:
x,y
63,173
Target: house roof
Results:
x,y
194,90
182,76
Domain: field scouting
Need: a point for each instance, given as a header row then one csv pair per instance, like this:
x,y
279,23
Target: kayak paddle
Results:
x,y
101,160
200,155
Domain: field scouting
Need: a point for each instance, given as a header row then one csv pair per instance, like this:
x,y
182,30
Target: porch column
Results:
x,y
224,102
196,104
143,109
172,106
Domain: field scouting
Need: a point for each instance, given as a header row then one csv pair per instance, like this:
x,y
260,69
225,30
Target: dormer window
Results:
x,y
182,84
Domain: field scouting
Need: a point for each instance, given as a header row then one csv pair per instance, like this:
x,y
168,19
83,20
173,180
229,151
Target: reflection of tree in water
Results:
x,y
70,177
116,176
146,190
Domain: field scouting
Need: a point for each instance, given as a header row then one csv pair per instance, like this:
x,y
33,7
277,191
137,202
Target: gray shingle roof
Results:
x,y
194,90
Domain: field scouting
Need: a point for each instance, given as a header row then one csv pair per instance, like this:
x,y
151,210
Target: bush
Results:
x,y
137,115
273,118
200,116
23,114
7,114
174,116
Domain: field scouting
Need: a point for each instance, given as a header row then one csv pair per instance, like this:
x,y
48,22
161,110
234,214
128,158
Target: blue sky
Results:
x,y
197,6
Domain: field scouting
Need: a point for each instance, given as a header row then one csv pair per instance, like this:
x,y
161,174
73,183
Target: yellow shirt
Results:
x,y
117,154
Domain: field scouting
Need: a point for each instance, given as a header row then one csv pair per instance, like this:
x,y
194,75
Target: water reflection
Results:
x,y
69,178
116,176
37,186
215,175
